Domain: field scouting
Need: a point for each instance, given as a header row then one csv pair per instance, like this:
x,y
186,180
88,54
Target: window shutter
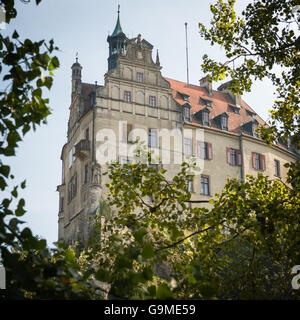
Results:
x,y
279,174
210,153
239,157
263,162
253,160
228,155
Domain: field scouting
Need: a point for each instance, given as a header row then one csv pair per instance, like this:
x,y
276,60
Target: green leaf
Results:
x,y
15,35
148,251
4,170
20,209
163,292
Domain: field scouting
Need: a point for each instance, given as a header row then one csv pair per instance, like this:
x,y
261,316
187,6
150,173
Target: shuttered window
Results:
x,y
204,150
277,168
258,161
234,156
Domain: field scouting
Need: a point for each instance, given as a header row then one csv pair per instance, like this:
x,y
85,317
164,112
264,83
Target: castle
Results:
x,y
215,126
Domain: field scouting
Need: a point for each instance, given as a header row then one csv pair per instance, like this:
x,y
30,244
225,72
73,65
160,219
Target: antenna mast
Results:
x,y
187,55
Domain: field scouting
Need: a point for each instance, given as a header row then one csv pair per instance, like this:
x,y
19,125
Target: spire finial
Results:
x,y
76,57
118,28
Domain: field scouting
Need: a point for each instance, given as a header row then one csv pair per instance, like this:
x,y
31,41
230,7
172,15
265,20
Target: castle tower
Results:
x,y
117,44
76,79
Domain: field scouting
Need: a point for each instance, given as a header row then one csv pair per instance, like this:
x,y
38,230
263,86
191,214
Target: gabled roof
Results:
x,y
221,102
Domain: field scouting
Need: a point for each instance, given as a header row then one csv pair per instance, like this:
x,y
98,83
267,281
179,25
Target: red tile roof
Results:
x,y
221,102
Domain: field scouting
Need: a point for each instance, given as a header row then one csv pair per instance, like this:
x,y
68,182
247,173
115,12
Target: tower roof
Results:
x,y
76,64
118,28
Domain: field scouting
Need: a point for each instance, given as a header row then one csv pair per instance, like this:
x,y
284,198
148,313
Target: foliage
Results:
x,y
33,271
263,42
243,248
151,244
154,244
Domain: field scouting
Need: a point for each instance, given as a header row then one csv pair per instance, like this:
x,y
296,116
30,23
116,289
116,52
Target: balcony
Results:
x,y
82,149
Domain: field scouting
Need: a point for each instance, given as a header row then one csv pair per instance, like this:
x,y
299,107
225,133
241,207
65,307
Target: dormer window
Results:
x,y
224,122
184,96
205,117
235,109
252,114
202,117
208,103
187,113
254,128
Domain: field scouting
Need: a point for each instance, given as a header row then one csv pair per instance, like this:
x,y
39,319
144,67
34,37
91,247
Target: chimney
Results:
x,y
225,87
205,83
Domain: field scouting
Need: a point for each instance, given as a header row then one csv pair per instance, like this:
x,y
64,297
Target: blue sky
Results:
x,y
83,26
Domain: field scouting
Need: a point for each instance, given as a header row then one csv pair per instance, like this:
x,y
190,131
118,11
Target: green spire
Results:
x,y
118,28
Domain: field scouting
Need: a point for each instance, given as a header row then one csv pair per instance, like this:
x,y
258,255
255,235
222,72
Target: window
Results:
x,y
205,185
126,129
127,96
254,128
189,183
224,123
152,101
258,161
187,114
86,173
87,134
252,114
63,172
184,96
72,188
139,77
206,118
204,150
70,158
61,204
187,146
234,157
208,103
277,168
153,138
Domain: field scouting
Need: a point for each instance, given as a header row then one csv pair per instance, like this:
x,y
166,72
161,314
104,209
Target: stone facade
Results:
x,y
135,95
